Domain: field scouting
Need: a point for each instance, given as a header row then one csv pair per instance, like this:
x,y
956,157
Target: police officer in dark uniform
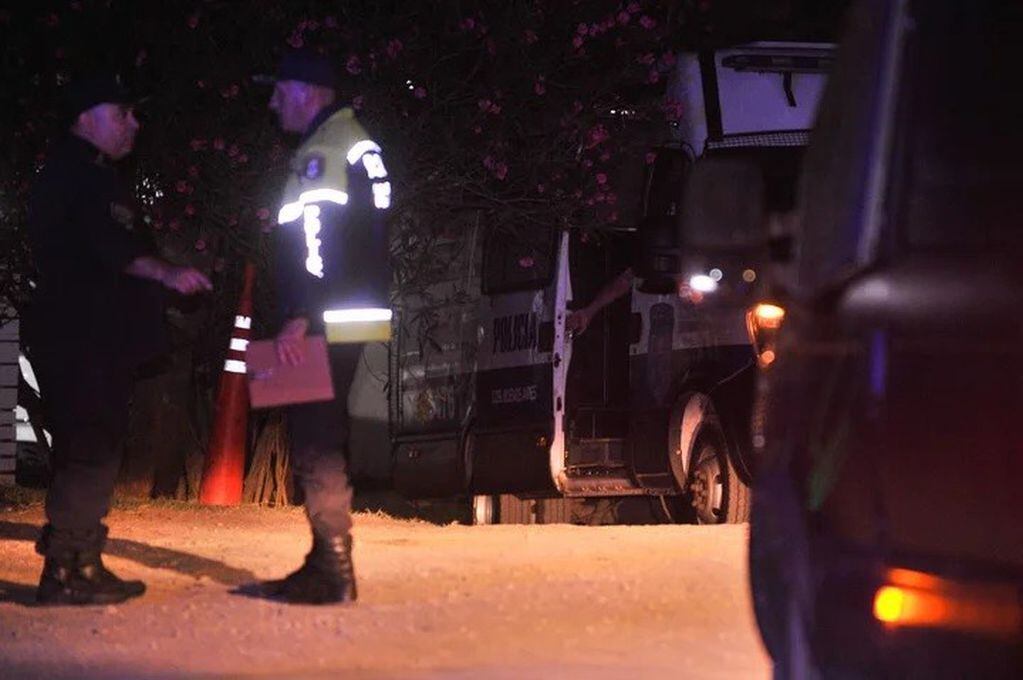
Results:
x,y
333,277
95,317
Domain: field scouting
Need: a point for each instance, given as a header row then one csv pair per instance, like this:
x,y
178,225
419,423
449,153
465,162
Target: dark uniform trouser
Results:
x,y
319,441
86,409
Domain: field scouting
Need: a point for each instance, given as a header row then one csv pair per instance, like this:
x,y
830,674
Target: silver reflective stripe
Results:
x,y
243,322
374,165
382,195
361,147
234,366
355,315
239,344
290,212
312,226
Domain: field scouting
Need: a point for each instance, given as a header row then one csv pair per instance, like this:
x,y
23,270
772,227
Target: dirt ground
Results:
x,y
436,601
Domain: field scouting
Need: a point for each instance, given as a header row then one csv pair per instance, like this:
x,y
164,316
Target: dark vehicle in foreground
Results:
x,y
887,527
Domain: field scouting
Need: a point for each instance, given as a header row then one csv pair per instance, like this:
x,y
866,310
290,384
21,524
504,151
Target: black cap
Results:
x,y
84,93
308,67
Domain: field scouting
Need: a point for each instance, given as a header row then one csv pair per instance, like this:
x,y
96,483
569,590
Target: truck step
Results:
x,y
599,452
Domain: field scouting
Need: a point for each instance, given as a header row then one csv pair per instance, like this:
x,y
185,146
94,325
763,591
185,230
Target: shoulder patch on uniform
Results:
x,y
122,214
313,166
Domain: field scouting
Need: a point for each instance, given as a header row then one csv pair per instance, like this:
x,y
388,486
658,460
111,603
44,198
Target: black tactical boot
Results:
x,y
327,576
73,571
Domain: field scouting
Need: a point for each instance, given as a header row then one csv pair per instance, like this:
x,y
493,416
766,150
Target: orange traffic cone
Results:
x,y
224,471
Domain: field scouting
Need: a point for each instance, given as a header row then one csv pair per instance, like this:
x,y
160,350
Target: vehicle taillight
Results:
x,y
914,599
763,322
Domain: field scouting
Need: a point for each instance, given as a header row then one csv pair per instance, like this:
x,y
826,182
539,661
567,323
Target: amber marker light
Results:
x,y
913,599
762,324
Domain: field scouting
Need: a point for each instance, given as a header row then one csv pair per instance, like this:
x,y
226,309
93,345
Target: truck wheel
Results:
x,y
484,510
717,493
503,509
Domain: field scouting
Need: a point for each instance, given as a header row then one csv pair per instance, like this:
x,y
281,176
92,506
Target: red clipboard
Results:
x,y
275,384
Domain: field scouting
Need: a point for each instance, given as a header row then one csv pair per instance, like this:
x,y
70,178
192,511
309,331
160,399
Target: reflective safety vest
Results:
x,y
320,180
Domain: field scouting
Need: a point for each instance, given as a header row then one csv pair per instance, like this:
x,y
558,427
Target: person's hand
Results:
x,y
185,280
578,321
289,342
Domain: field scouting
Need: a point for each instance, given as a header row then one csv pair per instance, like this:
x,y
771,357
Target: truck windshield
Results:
x,y
964,126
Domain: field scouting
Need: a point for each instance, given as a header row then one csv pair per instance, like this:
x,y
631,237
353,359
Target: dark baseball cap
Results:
x,y
88,91
305,66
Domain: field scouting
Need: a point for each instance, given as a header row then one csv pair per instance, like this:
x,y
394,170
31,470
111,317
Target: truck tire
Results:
x,y
717,493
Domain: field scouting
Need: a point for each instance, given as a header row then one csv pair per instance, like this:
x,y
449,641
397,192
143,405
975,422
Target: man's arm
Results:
x,y
185,280
579,320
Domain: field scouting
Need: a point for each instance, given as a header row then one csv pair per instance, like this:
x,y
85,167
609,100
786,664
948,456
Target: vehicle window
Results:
x,y
523,260
965,163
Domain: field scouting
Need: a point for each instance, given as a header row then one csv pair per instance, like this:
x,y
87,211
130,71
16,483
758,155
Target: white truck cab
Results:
x,y
653,399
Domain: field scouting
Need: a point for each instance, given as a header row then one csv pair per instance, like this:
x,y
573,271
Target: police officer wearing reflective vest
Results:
x,y
333,278
96,316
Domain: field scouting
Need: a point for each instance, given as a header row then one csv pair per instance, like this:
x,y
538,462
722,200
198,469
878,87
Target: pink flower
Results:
x,y
673,110
218,143
539,87
647,22
200,245
605,157
650,157
296,41
582,29
653,76
263,214
500,170
668,58
190,210
612,216
646,59
587,163
419,93
394,48
467,24
218,264
577,41
491,47
330,22
596,135
633,8
624,17
197,144
233,151
540,188
353,65
242,159
489,162
577,107
174,225
357,102
484,104
612,199
526,262
477,129
181,186
601,178
193,20
193,171
530,36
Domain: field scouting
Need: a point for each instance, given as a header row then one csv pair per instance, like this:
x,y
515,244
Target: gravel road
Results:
x,y
436,601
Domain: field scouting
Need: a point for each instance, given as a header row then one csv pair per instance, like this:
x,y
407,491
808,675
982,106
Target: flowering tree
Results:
x,y
520,115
